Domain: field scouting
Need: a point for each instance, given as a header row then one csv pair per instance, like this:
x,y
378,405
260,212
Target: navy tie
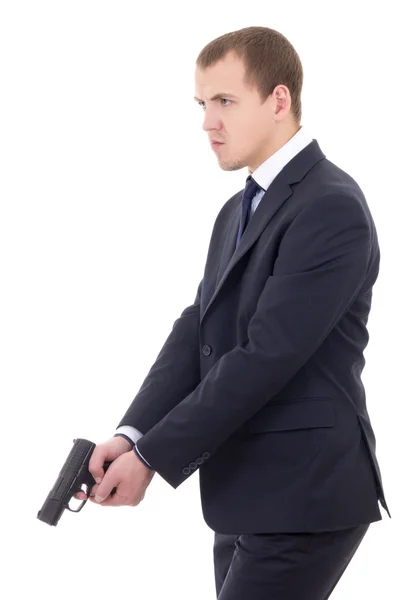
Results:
x,y
249,192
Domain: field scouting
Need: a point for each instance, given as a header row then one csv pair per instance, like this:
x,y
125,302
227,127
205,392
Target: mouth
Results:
x,y
216,144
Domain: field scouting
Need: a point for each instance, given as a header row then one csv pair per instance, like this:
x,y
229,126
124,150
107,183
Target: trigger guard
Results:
x,y
67,506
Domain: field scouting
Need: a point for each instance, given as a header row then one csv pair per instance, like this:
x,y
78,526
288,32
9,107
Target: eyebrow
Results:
x,y
216,96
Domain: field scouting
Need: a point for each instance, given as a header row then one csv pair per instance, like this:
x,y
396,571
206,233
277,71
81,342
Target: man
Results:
x,y
258,384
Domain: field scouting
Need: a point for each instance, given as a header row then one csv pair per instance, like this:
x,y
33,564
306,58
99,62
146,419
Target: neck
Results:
x,y
273,146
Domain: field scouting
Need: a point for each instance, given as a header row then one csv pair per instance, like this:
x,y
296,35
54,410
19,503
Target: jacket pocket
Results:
x,y
287,415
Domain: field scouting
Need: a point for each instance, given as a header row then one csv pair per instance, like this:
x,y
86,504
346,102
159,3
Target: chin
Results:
x,y
227,164
231,166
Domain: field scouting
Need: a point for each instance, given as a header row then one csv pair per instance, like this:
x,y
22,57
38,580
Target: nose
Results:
x,y
211,122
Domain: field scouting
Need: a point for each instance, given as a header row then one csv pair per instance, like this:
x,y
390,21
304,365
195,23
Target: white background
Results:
x,y
109,191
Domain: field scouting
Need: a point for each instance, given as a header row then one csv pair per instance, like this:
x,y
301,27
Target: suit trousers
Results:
x,y
283,566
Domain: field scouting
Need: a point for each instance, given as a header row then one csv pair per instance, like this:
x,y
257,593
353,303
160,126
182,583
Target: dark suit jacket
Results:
x,y
258,385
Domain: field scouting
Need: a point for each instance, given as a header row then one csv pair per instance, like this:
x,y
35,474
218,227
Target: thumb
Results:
x,y
96,464
104,489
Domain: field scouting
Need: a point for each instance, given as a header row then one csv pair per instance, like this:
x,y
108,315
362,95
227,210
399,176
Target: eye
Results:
x,y
201,102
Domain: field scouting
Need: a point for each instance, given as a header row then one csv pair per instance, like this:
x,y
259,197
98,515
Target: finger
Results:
x,y
93,489
104,490
97,460
95,499
113,500
110,481
96,463
80,496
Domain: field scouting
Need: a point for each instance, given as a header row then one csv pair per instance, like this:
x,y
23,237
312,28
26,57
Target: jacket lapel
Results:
x,y
275,196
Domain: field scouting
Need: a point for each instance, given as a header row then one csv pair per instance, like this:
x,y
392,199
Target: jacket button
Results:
x,y
206,350
193,465
199,461
186,471
206,455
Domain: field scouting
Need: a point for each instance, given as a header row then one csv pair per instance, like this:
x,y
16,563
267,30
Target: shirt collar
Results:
x,y
269,169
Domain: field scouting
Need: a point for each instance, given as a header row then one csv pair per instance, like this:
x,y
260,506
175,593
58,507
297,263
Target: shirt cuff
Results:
x,y
132,433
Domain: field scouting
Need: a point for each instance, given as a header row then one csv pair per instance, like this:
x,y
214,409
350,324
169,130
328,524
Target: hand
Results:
x,y
129,476
107,451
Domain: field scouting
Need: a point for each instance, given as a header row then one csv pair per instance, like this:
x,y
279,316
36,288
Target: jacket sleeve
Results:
x,y
175,373
321,265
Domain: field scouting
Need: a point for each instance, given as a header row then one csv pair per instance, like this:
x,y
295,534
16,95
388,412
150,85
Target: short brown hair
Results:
x,y
269,60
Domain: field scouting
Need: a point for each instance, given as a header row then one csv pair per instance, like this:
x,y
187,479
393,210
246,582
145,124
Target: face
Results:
x,y
250,131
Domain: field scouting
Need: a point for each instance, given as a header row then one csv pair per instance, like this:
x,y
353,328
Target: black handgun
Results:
x,y
73,475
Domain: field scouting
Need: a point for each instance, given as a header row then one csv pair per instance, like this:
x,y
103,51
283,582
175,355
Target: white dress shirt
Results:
x,y
263,175
269,169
